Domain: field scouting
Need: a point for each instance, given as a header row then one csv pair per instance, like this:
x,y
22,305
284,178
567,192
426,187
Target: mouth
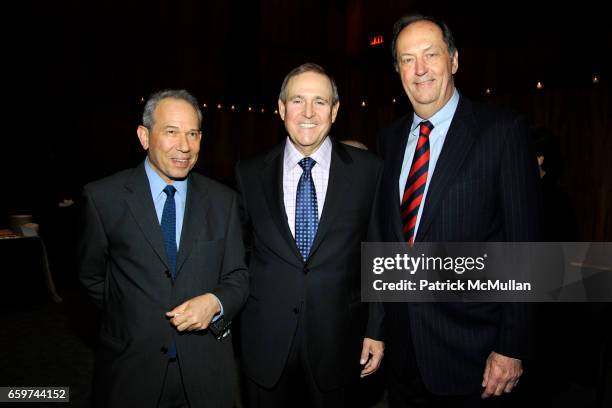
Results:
x,y
180,162
307,125
426,82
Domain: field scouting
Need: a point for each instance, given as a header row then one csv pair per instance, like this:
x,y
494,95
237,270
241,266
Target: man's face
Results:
x,y
173,143
425,67
308,112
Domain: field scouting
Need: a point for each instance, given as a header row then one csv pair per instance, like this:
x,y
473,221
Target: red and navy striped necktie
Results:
x,y
416,182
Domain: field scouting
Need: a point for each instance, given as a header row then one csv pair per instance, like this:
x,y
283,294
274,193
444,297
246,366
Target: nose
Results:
x,y
308,110
182,144
420,67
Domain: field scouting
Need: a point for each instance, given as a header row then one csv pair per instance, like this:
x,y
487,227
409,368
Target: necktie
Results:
x,y
306,213
168,227
415,184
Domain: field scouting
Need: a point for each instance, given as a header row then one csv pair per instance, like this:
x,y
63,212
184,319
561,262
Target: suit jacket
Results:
x,y
123,265
326,288
483,189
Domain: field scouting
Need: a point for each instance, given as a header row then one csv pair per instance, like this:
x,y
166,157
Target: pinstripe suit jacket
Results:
x,y
483,189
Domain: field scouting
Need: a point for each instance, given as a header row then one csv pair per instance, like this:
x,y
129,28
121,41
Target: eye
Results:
x,y
194,134
170,132
406,60
321,102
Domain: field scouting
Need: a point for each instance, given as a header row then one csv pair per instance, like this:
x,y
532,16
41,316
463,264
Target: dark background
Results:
x,y
81,68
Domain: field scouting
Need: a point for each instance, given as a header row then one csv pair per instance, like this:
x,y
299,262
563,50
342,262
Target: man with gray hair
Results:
x,y
306,338
161,255
455,171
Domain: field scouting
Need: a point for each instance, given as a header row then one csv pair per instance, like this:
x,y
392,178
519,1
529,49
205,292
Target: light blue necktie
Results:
x,y
306,213
168,227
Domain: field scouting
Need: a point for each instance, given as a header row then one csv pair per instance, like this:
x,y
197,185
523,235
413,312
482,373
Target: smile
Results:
x,y
424,82
180,162
307,125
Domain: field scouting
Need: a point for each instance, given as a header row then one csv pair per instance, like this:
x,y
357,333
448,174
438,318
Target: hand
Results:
x,y
194,314
501,374
372,354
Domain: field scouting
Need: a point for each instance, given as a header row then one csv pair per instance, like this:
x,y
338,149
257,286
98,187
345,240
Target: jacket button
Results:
x,y
164,350
296,310
306,270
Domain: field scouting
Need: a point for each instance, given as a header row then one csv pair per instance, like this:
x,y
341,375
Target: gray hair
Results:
x,y
308,67
405,21
154,99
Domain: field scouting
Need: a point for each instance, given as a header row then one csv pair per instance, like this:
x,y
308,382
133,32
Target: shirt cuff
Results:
x,y
218,315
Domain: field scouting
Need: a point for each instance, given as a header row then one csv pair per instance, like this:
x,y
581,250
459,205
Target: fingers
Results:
x,y
510,386
194,314
365,353
371,354
489,389
501,375
372,365
178,310
487,372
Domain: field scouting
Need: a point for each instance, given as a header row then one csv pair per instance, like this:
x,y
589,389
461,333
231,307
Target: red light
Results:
x,y
377,40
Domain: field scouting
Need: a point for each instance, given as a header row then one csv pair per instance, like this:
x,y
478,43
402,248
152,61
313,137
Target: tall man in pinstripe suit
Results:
x,y
454,170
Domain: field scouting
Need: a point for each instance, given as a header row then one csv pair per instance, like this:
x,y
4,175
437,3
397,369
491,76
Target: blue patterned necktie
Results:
x,y
306,212
168,227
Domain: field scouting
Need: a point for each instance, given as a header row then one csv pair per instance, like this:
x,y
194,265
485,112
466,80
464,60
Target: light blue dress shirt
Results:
x,y
157,185
441,121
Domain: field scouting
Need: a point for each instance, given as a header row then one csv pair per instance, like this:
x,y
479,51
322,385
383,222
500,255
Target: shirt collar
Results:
x,y
444,114
157,184
322,155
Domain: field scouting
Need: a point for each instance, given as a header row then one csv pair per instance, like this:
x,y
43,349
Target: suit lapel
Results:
x,y
398,146
194,221
337,191
141,205
457,144
272,185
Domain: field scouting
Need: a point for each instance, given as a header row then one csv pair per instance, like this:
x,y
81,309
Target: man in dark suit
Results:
x,y
161,254
454,170
307,206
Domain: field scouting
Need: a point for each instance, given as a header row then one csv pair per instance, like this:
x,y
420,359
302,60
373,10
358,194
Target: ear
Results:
x,y
281,109
143,136
334,111
455,62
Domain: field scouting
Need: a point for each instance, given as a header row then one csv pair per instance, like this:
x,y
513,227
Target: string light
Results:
x,y
595,79
141,99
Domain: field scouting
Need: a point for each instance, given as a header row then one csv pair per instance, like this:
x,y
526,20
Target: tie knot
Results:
x,y
169,190
425,128
307,164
